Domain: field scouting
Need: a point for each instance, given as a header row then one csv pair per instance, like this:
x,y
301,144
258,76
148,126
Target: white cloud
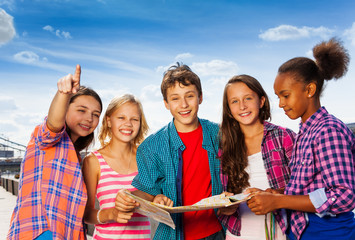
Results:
x,y
350,33
59,33
7,29
182,56
9,3
151,93
27,57
215,68
31,58
48,28
66,35
288,32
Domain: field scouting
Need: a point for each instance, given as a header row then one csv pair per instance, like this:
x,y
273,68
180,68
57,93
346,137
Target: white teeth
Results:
x,y
83,126
244,114
184,112
126,131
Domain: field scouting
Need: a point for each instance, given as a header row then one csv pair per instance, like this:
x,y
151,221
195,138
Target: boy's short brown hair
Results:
x,y
182,74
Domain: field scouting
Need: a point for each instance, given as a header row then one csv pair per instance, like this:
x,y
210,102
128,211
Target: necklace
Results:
x,y
126,171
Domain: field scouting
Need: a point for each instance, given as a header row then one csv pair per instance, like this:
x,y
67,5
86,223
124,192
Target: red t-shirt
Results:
x,y
196,185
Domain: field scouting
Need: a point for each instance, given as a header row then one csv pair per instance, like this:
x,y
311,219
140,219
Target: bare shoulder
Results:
x,y
91,162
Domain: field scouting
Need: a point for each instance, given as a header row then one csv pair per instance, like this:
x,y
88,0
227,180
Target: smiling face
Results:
x,y
294,97
183,103
125,122
83,116
244,104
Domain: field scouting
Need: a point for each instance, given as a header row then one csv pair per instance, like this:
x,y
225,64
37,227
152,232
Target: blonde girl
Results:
x,y
112,168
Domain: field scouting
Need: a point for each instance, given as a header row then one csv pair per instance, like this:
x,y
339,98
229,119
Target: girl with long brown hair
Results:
x,y
254,153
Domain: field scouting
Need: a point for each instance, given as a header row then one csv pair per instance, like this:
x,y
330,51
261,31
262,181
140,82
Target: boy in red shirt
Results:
x,y
178,164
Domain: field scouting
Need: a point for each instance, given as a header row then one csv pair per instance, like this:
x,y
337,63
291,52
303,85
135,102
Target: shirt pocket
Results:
x,y
305,171
276,156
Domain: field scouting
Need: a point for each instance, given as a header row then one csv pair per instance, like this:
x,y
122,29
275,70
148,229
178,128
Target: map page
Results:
x,y
161,213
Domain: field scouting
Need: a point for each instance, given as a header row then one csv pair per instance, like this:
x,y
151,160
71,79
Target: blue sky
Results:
x,y
125,46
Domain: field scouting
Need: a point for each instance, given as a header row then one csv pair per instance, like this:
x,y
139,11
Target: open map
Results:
x,y
161,213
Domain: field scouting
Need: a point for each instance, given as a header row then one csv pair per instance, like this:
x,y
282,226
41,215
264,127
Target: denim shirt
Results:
x,y
159,161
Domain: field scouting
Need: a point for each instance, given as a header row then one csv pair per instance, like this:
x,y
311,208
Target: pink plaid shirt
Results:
x,y
322,167
52,195
276,149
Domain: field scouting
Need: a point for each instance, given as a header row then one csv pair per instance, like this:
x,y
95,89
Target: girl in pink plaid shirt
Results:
x,y
255,153
320,195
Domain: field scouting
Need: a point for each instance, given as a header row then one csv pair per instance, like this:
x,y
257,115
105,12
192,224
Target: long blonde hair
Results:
x,y
105,134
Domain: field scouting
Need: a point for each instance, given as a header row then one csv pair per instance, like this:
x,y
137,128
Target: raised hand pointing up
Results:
x,y
70,83
67,86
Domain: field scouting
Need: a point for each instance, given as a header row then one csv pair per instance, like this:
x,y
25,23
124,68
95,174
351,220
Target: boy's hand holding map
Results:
x,y
161,213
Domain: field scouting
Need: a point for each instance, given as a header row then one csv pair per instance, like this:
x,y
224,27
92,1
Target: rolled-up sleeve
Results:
x,y
45,137
337,169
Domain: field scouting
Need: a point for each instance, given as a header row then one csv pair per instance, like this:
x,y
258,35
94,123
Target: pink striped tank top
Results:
x,y
110,183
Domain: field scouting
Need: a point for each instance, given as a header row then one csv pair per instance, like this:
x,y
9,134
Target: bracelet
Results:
x,y
98,217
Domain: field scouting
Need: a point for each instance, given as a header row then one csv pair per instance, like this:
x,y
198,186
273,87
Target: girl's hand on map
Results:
x,y
163,200
124,203
227,210
252,190
119,216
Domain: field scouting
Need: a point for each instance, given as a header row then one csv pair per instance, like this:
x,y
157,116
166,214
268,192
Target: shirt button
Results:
x,y
303,163
333,199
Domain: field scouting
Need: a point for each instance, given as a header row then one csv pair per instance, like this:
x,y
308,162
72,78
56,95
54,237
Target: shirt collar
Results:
x,y
175,140
304,127
268,127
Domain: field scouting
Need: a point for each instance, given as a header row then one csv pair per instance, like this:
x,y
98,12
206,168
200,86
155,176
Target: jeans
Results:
x,y
47,235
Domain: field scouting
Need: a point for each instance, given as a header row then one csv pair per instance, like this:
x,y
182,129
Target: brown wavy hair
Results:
x,y
234,151
105,134
331,62
182,74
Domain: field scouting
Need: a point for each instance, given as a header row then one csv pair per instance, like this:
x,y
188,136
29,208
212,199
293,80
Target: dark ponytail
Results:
x,y
331,62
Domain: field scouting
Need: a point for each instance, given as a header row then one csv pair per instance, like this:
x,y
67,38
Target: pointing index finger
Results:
x,y
76,78
77,72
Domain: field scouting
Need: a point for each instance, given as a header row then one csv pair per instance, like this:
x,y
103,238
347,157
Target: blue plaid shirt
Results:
x,y
159,160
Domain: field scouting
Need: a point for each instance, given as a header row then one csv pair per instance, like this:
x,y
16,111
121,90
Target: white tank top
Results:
x,y
253,226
